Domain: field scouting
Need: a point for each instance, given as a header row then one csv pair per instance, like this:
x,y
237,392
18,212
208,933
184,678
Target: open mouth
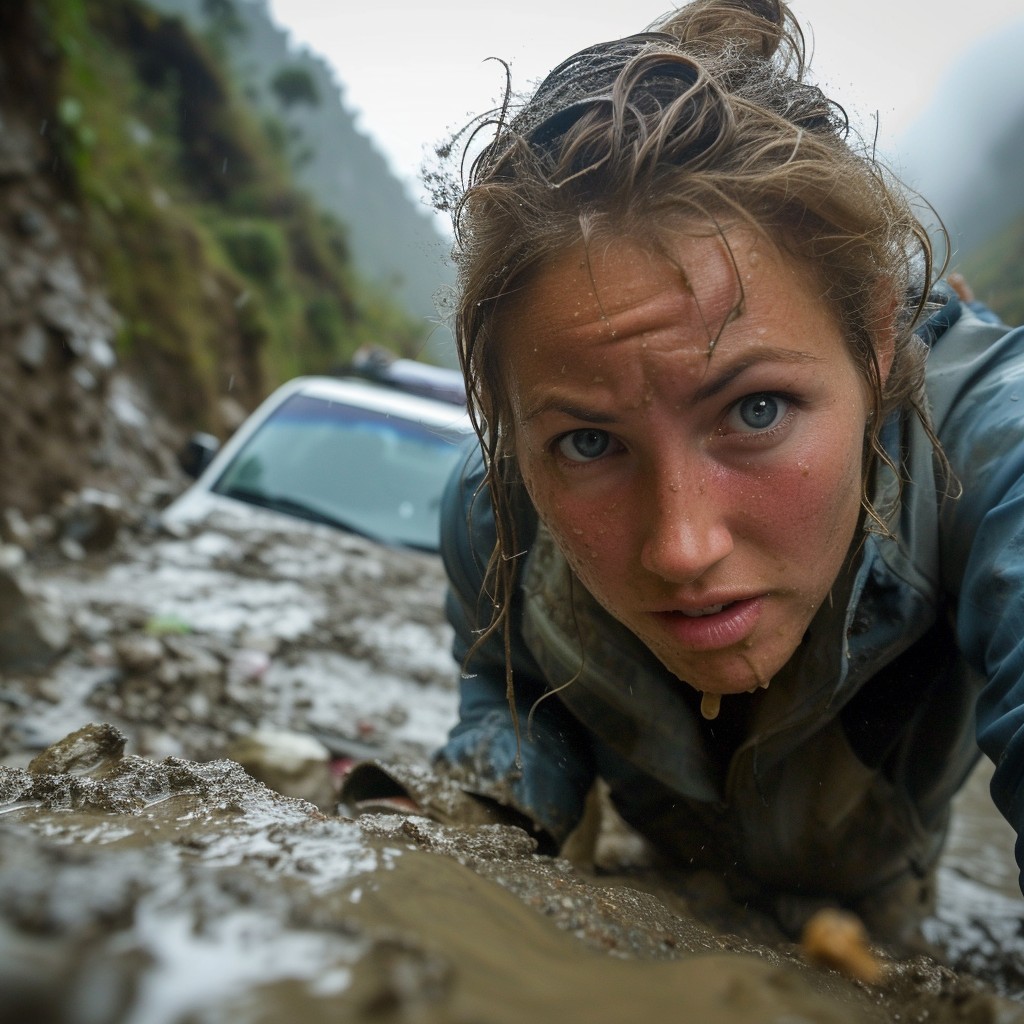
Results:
x,y
714,626
712,609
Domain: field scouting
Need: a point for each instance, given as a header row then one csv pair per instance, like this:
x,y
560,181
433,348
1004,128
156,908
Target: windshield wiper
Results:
x,y
299,509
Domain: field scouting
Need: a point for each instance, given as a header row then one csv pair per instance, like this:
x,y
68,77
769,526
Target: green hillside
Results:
x,y
395,240
996,271
228,277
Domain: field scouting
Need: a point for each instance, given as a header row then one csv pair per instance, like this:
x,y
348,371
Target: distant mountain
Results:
x,y
394,242
965,154
995,271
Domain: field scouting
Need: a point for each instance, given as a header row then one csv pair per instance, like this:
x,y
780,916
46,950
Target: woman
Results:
x,y
746,534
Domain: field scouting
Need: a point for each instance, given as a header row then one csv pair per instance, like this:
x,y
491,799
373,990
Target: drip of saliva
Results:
x,y
711,703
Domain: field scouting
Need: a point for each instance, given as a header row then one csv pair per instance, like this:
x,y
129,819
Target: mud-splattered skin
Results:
x,y
178,892
690,428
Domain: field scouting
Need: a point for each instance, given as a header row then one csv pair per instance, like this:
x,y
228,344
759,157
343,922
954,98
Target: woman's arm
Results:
x,y
982,429
547,775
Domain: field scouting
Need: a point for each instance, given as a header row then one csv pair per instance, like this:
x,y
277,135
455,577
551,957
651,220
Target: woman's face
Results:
x,y
707,499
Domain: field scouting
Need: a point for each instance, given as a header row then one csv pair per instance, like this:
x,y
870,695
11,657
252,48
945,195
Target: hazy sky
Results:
x,y
413,70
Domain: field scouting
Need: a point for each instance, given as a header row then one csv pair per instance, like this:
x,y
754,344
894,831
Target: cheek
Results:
x,y
591,535
815,504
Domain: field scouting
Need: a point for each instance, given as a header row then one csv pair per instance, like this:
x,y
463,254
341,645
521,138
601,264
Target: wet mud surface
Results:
x,y
179,891
145,877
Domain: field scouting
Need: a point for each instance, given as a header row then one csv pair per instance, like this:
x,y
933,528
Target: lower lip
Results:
x,y
732,625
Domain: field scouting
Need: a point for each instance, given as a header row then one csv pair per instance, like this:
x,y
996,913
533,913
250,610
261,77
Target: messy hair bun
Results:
x,y
763,28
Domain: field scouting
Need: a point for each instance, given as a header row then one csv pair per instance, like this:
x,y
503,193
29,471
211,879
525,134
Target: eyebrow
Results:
x,y
707,390
769,355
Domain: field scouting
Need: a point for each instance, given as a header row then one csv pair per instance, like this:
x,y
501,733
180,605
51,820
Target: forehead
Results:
x,y
622,287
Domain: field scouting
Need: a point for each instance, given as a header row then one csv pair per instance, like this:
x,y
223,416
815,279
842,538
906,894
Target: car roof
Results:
x,y
378,398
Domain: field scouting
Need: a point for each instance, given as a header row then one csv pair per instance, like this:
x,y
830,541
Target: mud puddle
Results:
x,y
163,893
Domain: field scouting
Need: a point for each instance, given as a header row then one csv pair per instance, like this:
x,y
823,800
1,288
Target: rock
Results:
x,y
90,750
61,313
33,632
44,528
15,529
32,223
71,549
93,518
139,653
21,279
62,276
100,356
15,153
289,763
32,347
84,378
11,556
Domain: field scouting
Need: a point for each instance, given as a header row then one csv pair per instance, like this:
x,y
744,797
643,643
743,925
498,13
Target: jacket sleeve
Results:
x,y
982,431
547,778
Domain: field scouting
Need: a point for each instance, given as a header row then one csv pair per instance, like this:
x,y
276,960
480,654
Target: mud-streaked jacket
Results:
x,y
842,784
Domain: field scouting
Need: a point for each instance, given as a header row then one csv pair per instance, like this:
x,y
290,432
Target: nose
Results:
x,y
687,526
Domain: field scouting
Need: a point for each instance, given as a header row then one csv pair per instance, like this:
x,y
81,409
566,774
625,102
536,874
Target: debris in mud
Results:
x,y
838,939
176,891
191,642
32,630
289,763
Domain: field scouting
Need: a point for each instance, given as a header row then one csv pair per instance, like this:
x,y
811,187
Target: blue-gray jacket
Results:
x,y
841,783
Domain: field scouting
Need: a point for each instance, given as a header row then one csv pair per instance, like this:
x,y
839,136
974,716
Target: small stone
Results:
x,y
84,378
93,518
31,223
71,549
44,528
32,347
139,653
100,355
33,630
289,763
15,529
89,751
12,556
248,665
62,276
60,313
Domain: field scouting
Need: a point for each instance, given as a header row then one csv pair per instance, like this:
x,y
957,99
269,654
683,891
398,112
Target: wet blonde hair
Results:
x,y
707,119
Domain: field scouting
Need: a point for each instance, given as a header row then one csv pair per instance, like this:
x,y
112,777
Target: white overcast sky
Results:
x,y
413,70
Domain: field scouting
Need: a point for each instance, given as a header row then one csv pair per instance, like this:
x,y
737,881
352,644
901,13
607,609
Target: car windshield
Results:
x,y
375,474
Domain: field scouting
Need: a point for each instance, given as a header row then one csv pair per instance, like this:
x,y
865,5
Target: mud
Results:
x,y
146,878
139,891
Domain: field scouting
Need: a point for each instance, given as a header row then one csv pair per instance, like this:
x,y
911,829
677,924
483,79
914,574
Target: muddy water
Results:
x,y
139,892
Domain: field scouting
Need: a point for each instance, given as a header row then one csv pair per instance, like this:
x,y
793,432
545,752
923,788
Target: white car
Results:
x,y
368,459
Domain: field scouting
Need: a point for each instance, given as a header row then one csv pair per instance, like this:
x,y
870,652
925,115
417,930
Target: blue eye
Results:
x,y
584,445
759,412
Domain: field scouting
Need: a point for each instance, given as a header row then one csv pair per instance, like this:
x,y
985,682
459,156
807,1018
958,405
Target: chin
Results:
x,y
732,672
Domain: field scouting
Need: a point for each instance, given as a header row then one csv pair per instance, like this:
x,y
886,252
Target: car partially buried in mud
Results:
x,y
349,453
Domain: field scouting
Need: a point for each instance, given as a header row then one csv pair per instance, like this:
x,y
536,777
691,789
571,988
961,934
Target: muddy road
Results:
x,y
146,876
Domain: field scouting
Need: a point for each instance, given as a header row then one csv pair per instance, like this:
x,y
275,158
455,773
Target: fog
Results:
x,y
965,152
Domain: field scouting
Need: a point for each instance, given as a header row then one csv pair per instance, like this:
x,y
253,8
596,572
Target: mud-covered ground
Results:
x,y
145,877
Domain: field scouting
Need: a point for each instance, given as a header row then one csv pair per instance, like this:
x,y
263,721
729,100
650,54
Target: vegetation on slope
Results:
x,y
228,277
994,271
